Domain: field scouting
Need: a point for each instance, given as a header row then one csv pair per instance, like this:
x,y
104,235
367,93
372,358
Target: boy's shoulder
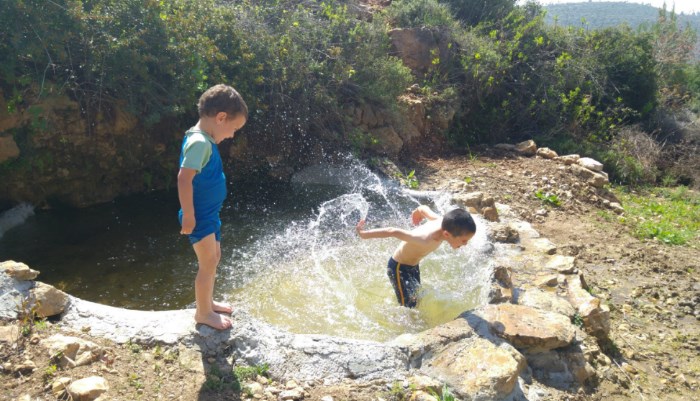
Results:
x,y
195,134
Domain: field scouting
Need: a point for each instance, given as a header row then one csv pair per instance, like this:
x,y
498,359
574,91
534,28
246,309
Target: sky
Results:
x,y
685,6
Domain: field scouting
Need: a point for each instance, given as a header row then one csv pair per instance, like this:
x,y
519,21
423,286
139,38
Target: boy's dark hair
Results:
x,y
220,98
458,222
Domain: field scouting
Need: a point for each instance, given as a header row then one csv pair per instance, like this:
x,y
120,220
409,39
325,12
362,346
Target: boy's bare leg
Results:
x,y
208,258
217,306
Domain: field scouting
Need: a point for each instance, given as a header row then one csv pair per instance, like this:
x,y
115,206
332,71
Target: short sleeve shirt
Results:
x,y
197,150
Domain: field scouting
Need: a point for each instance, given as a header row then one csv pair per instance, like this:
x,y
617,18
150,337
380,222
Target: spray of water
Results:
x,y
15,217
317,276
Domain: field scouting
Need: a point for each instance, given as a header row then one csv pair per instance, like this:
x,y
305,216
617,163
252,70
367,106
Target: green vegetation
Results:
x,y
507,74
243,373
445,394
577,320
547,198
411,180
669,215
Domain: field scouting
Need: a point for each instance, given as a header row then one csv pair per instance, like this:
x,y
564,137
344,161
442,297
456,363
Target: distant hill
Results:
x,y
602,15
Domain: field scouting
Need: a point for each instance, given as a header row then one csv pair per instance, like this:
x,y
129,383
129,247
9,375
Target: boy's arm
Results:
x,y
387,232
185,194
422,212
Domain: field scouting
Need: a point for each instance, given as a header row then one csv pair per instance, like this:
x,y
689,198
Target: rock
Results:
x,y
526,148
505,233
60,386
501,286
388,141
8,148
26,367
546,301
293,394
546,153
549,280
568,159
18,270
560,263
544,245
590,164
49,300
528,328
88,389
9,334
73,351
616,207
592,178
472,199
255,388
490,213
425,383
563,368
595,315
476,368
326,398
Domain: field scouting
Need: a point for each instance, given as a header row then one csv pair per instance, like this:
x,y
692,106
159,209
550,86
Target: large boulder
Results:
x,y
595,315
87,389
72,351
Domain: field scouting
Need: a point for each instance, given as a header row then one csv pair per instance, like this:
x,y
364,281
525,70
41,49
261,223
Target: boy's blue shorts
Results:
x,y
204,228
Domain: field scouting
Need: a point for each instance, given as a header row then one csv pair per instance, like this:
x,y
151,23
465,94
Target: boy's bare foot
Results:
x,y
215,320
221,307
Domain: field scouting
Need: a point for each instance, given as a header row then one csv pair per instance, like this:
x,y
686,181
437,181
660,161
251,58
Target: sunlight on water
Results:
x,y
318,276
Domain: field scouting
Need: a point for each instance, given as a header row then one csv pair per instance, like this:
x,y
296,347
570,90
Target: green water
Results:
x,y
290,256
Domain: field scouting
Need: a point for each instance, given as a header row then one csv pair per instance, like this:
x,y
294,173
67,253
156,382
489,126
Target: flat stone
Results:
x,y
529,328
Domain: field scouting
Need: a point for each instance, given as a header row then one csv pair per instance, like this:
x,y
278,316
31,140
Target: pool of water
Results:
x,y
290,255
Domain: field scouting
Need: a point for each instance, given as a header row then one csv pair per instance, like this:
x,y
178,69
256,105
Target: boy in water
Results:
x,y
201,187
457,227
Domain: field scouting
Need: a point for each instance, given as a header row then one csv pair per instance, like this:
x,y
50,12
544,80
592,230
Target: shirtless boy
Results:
x,y
456,227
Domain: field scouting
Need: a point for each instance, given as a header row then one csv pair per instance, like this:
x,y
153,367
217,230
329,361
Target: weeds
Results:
x,y
411,180
445,394
577,320
669,215
547,198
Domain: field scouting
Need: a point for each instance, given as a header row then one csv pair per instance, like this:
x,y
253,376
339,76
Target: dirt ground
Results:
x,y
651,288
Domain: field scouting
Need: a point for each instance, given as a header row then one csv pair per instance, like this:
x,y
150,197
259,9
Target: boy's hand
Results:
x,y
188,223
360,228
416,216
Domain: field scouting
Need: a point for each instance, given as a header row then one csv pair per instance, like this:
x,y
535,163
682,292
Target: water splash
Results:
x,y
15,217
315,275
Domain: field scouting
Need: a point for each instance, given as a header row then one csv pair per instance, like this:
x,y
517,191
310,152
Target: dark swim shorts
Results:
x,y
406,281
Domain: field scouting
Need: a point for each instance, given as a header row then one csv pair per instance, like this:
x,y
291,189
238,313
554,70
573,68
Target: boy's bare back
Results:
x,y
412,252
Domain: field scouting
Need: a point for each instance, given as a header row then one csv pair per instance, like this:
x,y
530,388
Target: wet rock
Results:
x,y
528,328
526,148
18,270
490,213
501,286
48,300
88,389
504,233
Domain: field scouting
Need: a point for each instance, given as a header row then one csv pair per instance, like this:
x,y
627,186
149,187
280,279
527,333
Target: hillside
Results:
x,y
602,15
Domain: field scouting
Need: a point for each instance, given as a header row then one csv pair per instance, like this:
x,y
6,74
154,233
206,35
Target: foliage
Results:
x,y
445,394
577,320
243,373
474,12
671,216
547,198
419,14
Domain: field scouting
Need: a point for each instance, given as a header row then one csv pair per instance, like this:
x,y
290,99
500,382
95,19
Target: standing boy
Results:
x,y
457,227
201,187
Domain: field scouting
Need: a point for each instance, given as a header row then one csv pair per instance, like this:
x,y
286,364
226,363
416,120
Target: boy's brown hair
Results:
x,y
220,98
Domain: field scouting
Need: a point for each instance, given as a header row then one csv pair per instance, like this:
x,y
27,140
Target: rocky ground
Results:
x,y
652,290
